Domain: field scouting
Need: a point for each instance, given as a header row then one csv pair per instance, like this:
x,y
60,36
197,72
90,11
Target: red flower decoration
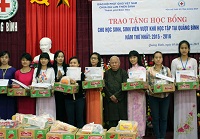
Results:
x,y
181,130
191,113
149,118
106,67
151,63
186,126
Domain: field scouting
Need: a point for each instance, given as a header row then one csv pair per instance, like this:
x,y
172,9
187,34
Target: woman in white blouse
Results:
x,y
185,101
44,73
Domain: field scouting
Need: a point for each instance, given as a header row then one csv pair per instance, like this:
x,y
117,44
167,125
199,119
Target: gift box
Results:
x,y
18,92
160,88
80,135
9,133
134,85
187,85
24,133
113,134
71,89
3,89
41,93
93,84
61,135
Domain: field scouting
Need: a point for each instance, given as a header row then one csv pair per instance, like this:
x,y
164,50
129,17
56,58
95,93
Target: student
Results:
x,y
60,68
94,105
137,98
159,103
185,101
7,104
25,105
115,103
75,105
44,73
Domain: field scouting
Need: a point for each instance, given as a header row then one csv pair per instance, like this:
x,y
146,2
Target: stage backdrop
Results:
x,y
143,25
57,23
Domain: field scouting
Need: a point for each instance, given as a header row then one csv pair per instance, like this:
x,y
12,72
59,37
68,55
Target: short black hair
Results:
x,y
74,57
156,53
27,56
3,53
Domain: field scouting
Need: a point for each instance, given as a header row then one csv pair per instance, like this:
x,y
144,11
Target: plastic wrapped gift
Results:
x,y
59,126
128,126
92,129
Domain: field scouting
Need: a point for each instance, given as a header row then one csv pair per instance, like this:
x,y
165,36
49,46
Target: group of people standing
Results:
x,y
65,107
88,105
185,103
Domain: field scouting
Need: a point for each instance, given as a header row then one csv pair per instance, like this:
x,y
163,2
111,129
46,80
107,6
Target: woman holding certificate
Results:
x,y
75,103
185,108
158,102
7,104
94,104
26,105
137,98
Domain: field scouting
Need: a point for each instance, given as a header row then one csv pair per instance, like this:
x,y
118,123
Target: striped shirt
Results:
x,y
153,80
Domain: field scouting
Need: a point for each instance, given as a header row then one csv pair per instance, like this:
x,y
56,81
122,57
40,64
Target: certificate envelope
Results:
x,y
94,73
74,73
137,75
183,72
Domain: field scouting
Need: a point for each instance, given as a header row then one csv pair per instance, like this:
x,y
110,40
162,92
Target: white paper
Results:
x,y
184,72
137,75
20,83
4,82
74,73
42,85
164,77
162,81
94,73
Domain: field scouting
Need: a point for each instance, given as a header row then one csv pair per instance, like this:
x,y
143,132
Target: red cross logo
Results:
x,y
181,3
4,5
